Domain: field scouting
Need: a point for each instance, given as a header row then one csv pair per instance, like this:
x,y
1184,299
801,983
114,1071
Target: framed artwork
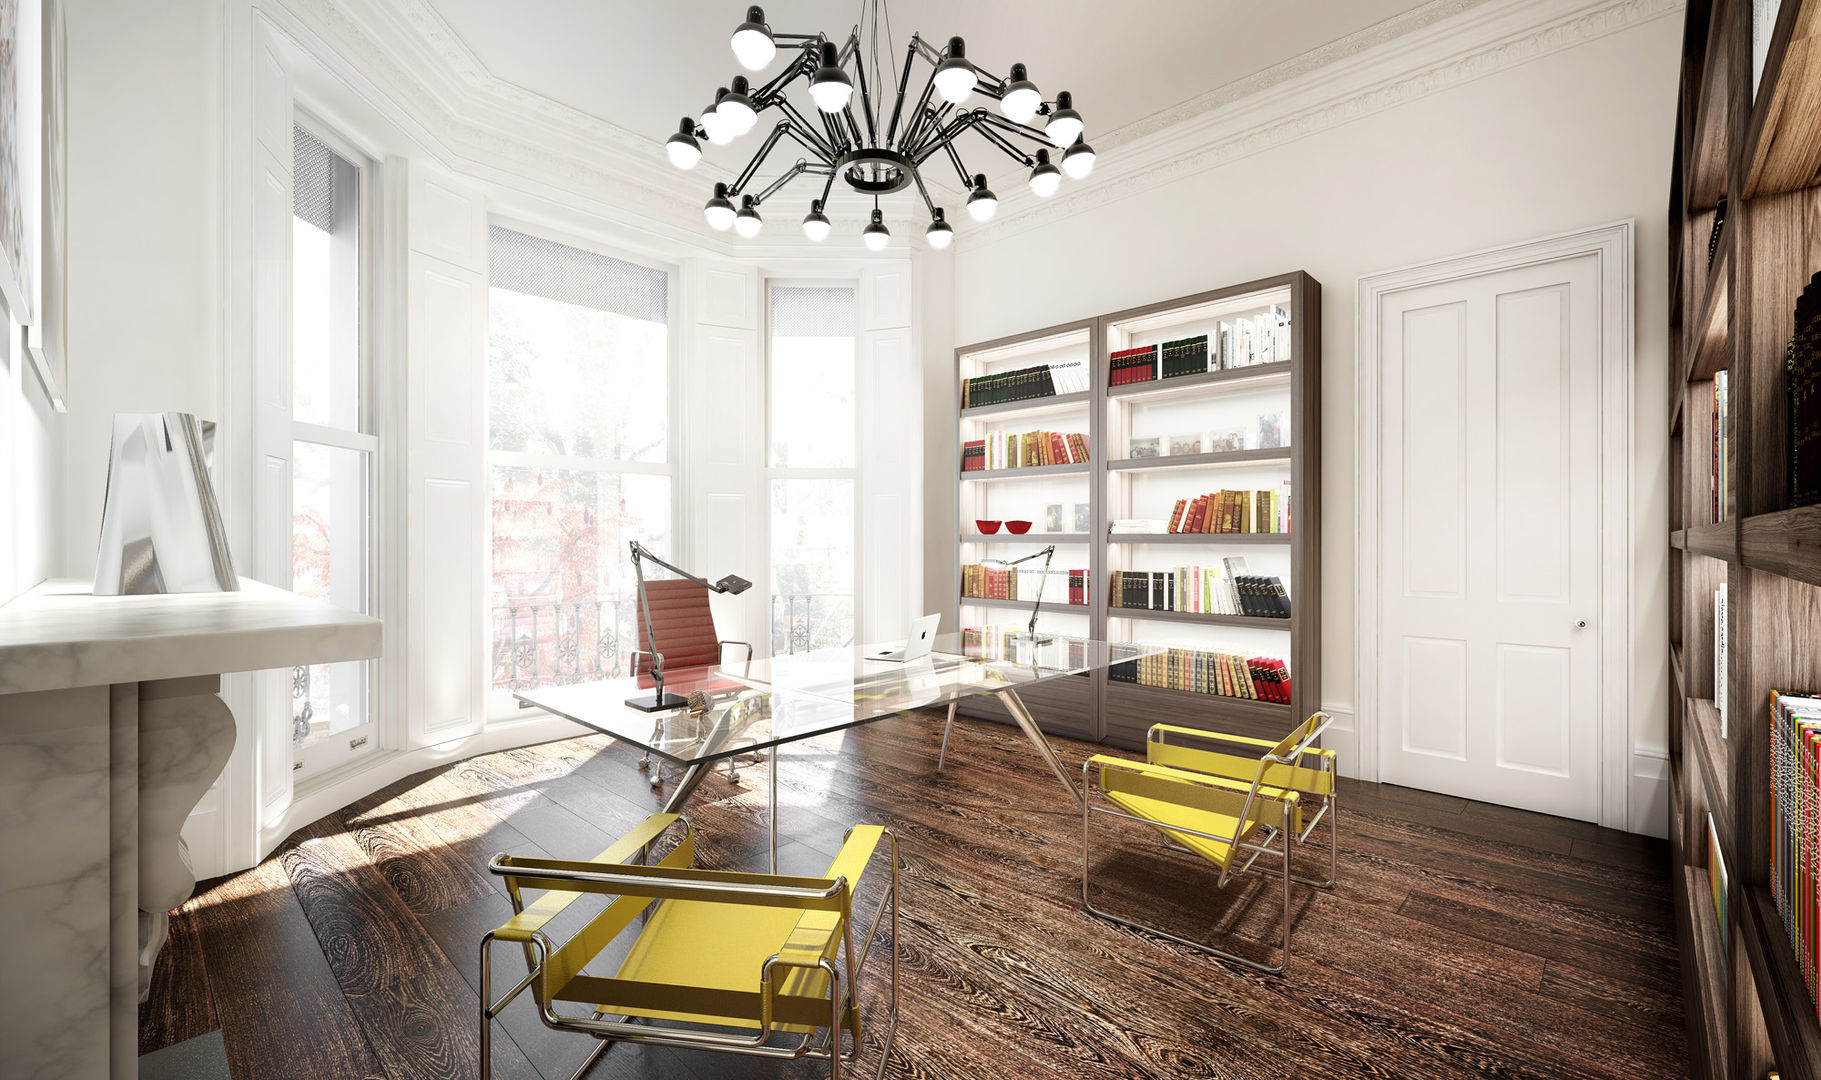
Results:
x,y
33,189
1052,517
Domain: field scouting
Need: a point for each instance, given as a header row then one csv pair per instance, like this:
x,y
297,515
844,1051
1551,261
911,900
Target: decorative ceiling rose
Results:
x,y
855,139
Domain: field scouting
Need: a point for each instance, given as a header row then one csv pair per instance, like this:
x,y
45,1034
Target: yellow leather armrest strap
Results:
x,y
1233,767
1215,736
521,926
817,933
1189,776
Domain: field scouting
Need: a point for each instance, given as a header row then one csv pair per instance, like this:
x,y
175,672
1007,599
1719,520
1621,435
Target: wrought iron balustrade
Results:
x,y
801,622
540,642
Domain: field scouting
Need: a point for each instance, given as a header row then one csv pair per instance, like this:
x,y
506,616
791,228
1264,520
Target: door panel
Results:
x,y
1490,535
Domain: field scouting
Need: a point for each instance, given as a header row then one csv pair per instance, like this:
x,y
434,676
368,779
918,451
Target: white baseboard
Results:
x,y
1343,738
1649,793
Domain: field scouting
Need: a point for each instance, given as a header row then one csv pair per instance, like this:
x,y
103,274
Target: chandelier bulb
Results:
x,y
940,233
830,88
719,211
1019,100
1046,177
876,235
736,108
1065,123
683,149
955,77
982,204
752,43
815,224
747,222
1078,160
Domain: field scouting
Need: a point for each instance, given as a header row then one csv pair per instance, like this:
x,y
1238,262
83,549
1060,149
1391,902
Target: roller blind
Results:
x,y
539,267
812,311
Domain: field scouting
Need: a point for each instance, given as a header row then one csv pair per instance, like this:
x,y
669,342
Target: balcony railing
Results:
x,y
541,642
802,622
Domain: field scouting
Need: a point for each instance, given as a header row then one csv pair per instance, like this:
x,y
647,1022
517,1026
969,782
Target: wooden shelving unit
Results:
x,y
1758,149
1114,485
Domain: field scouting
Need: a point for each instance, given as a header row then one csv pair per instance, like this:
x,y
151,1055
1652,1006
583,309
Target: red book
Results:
x,y
1176,514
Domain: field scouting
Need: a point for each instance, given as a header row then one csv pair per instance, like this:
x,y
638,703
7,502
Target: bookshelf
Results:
x,y
1116,484
1752,146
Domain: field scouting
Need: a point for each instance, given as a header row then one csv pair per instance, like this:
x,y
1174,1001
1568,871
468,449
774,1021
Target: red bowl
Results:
x,y
1018,528
987,526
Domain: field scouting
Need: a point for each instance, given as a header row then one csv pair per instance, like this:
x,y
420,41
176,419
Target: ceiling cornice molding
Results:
x,y
500,129
1451,42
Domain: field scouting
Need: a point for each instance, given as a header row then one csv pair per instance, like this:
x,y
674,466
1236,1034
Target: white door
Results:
x,y
1490,537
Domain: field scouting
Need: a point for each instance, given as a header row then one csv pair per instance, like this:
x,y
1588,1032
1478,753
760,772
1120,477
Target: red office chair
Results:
x,y
683,624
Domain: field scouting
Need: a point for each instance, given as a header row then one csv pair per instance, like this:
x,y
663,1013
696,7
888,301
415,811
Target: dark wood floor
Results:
x,y
1463,939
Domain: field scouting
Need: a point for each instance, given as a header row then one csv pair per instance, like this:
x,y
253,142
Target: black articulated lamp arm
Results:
x,y
732,583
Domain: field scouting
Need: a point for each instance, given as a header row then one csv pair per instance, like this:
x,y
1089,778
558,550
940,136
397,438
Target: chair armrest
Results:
x,y
1189,776
672,883
1215,736
818,934
522,926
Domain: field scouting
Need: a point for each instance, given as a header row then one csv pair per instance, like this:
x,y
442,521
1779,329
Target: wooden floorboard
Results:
x,y
1461,940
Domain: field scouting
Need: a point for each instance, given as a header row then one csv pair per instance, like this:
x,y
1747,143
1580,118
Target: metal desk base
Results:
x,y
1009,698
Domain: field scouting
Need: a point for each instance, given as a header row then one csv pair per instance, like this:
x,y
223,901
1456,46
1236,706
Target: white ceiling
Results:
x,y
643,64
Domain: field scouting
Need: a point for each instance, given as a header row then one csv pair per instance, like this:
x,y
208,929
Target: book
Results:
x,y
1024,384
1720,636
1227,511
1135,365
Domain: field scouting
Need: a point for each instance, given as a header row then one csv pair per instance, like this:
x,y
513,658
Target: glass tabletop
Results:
x,y
747,707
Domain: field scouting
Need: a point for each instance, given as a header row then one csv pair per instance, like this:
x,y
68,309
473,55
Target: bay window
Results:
x,y
581,455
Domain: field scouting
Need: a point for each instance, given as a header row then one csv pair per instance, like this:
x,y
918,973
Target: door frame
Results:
x,y
1612,244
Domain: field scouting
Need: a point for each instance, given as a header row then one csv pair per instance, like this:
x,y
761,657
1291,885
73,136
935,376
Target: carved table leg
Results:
x,y
186,733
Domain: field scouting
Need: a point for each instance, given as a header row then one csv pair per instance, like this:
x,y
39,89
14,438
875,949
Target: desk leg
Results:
x,y
1015,706
773,770
686,787
946,728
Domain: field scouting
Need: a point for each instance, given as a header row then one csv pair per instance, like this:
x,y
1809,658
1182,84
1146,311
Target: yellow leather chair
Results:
x,y
1227,805
741,958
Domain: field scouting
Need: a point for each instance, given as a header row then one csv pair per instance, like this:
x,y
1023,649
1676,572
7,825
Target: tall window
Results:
x,y
580,454
812,458
333,445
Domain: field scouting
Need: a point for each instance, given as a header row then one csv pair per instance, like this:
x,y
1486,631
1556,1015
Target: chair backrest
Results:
x,y
683,625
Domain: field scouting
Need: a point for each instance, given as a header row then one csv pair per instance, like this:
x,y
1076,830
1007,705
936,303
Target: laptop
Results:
x,y
917,646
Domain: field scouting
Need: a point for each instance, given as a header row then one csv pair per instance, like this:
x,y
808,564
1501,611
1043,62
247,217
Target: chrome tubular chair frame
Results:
x,y
1289,801
1328,801
843,979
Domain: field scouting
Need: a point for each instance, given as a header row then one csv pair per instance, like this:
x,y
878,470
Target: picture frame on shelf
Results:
x,y
1183,445
1146,446
1052,518
1083,517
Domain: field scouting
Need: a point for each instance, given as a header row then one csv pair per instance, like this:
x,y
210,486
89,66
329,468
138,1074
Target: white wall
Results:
x,y
1576,137
143,214
31,467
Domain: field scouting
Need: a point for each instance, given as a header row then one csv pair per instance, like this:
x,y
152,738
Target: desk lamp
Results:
x,y
1044,576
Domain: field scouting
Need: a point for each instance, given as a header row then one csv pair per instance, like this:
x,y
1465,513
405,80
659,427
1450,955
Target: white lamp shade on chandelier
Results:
x,y
877,142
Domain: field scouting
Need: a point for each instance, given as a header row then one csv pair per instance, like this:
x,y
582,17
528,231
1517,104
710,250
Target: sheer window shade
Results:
x,y
808,311
538,267
312,179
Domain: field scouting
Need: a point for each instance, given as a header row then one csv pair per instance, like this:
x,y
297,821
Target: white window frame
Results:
x,y
326,757
502,707
772,472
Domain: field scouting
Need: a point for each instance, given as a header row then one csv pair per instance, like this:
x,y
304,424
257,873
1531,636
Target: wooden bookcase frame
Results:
x,y
1096,708
1749,1011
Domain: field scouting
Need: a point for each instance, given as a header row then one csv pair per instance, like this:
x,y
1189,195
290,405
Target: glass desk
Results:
x,y
799,696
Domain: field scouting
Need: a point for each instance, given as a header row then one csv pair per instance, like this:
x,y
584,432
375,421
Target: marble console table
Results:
x,y
111,731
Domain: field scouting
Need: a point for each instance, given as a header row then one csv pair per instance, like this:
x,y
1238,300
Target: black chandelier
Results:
x,y
873,153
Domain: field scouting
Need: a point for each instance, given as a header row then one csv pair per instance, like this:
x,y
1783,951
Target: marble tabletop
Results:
x,y
59,635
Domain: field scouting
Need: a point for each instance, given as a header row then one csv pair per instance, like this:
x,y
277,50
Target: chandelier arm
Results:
x,y
1004,144
866,103
926,50
804,65
931,121
852,125
815,150
783,178
941,137
891,132
1036,135
758,159
802,129
960,169
828,187
913,128
850,49
917,175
